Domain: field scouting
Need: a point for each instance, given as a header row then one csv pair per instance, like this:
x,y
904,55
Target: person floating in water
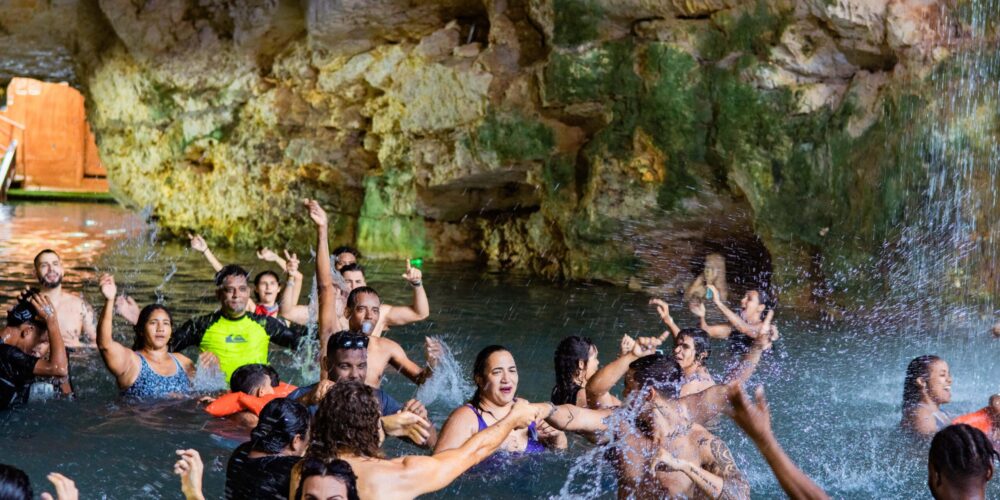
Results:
x,y
148,369
32,321
363,312
926,387
76,315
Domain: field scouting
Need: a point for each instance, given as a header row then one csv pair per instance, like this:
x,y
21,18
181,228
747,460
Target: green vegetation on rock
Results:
x,y
575,21
513,137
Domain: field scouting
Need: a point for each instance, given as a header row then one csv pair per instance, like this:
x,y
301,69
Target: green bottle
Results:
x,y
417,263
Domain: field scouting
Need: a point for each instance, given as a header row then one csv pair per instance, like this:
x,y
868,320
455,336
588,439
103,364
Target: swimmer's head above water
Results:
x,y
344,255
266,286
495,375
347,422
363,309
927,381
692,347
283,428
254,379
960,463
755,304
323,479
575,362
48,268
153,328
25,327
232,290
354,276
657,371
347,356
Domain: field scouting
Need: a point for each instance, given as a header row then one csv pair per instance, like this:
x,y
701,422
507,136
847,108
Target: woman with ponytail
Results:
x,y
262,467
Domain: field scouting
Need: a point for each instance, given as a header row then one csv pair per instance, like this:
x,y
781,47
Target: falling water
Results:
x,y
948,245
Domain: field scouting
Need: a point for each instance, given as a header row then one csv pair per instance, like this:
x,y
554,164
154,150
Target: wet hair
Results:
x,y
352,298
962,453
39,256
139,343
230,270
479,369
25,312
344,340
699,337
352,267
766,298
347,420
346,249
14,484
280,421
659,371
919,368
248,377
570,351
336,468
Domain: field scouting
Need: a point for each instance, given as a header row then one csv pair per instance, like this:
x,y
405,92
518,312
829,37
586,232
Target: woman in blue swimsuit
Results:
x,y
495,374
148,370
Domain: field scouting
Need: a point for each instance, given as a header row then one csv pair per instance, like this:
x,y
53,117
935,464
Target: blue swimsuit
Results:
x,y
150,384
534,445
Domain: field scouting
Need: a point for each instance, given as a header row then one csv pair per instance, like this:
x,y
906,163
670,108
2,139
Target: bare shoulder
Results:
x,y
462,415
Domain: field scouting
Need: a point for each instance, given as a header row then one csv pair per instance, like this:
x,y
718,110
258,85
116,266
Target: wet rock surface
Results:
x,y
583,139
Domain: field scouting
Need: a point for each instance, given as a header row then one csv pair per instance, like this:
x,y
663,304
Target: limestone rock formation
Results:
x,y
592,139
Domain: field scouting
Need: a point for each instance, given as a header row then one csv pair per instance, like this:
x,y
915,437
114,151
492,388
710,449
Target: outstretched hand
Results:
x,y
190,468
765,336
663,309
753,417
407,424
626,345
697,308
435,351
316,212
65,488
292,264
266,254
645,346
108,287
43,305
127,308
198,243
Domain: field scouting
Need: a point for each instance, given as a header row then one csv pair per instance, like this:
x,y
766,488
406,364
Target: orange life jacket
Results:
x,y
235,402
979,419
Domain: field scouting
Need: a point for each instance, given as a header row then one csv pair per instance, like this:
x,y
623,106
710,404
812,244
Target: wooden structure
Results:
x,y
55,149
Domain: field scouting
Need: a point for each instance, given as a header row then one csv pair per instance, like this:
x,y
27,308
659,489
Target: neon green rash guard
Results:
x,y
236,342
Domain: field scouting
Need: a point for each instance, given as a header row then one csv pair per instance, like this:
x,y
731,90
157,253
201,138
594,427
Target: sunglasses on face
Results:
x,y
359,343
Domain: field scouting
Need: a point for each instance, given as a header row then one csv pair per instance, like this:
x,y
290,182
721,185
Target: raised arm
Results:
x,y
425,474
58,363
755,420
733,318
663,309
708,404
268,255
419,310
714,331
328,323
601,382
289,307
119,359
198,244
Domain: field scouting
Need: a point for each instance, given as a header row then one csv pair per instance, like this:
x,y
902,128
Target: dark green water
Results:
x,y
834,388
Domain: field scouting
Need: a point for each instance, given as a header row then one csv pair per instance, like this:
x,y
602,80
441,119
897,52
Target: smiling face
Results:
x,y
937,385
157,329
752,307
349,364
267,288
498,383
233,295
49,270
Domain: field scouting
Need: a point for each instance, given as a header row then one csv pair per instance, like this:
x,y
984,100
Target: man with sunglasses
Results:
x,y
347,360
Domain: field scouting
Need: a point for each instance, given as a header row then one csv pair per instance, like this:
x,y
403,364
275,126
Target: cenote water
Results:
x,y
834,388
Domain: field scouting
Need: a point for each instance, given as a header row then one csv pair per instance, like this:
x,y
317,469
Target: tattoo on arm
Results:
x,y
734,485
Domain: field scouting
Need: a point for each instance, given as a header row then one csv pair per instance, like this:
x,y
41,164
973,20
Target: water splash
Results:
x,y
447,384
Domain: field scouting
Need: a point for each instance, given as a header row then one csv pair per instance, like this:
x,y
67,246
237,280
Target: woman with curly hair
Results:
x,y
347,427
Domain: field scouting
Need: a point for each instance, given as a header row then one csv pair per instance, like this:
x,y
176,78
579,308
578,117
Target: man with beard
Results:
x,y
76,317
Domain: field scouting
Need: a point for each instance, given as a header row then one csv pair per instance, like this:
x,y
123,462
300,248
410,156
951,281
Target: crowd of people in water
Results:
x,y
325,440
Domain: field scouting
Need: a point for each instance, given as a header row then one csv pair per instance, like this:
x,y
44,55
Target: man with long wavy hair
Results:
x,y
347,427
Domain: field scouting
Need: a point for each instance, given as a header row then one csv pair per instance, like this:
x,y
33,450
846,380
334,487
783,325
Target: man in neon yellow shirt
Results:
x,y
235,336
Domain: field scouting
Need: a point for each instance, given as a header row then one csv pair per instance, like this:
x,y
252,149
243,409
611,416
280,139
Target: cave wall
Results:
x,y
582,139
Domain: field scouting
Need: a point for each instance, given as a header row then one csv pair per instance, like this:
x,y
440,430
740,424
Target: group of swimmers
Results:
x,y
325,440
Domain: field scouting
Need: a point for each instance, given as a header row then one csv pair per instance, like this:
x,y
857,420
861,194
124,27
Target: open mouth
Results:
x,y
506,391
